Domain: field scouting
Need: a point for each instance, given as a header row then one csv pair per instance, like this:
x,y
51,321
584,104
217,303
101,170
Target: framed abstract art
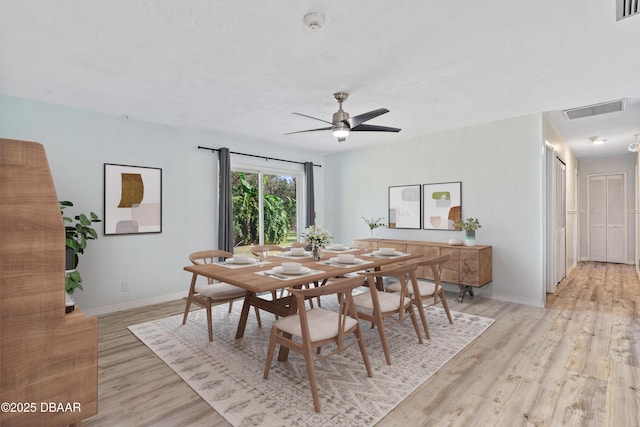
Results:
x,y
442,205
404,206
132,199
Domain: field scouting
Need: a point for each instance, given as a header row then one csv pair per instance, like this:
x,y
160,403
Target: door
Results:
x,y
560,206
607,218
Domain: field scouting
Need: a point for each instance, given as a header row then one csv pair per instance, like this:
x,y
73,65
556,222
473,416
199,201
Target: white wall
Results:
x,y
78,143
500,167
624,164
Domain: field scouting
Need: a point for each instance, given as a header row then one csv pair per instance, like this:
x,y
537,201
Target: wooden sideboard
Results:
x,y
48,359
468,266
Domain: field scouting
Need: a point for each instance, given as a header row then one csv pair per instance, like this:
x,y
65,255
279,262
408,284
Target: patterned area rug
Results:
x,y
227,373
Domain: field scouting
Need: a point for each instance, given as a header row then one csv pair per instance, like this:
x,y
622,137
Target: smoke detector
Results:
x,y
313,21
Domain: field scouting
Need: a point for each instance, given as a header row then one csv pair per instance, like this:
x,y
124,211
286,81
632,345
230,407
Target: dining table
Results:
x,y
266,277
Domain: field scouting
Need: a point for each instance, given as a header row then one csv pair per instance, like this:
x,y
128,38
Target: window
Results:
x,y
266,207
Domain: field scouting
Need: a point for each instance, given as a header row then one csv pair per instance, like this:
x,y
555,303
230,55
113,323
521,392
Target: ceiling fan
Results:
x,y
342,124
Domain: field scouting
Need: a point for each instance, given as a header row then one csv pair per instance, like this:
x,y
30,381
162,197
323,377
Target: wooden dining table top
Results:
x,y
251,278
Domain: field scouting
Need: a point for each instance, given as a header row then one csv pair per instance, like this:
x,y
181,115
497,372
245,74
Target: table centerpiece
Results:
x,y
316,237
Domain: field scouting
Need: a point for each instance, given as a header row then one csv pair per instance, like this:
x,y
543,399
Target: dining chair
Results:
x,y
318,327
422,290
213,293
375,306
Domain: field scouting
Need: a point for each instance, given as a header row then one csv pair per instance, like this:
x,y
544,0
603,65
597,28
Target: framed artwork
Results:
x,y
442,205
132,199
405,206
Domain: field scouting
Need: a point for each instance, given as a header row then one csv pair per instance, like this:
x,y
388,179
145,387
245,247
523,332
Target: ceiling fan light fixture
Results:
x,y
341,132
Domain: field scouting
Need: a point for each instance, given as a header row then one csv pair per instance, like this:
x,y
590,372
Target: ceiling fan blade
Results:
x,y
374,128
311,117
361,118
308,130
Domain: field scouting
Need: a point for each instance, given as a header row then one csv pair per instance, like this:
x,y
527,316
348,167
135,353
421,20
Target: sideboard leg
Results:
x,y
463,290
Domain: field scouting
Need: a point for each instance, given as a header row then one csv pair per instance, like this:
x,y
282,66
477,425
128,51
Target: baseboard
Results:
x,y
96,311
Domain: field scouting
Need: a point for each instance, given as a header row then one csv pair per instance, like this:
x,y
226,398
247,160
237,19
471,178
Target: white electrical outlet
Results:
x,y
125,286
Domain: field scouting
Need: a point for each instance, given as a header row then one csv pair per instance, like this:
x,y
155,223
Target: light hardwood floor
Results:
x,y
575,362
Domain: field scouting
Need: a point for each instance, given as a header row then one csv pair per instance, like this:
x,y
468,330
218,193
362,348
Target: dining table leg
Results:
x,y
244,314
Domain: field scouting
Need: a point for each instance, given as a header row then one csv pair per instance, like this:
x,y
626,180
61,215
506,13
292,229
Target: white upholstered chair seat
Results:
x,y
323,324
388,301
220,291
426,288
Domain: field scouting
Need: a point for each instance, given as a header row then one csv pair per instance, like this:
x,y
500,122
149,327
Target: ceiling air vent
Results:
x,y
596,109
627,8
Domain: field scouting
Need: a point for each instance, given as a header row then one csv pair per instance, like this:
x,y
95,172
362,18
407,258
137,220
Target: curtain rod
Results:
x,y
254,155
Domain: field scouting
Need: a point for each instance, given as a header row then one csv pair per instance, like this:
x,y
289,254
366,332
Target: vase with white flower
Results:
x,y
317,238
373,224
470,225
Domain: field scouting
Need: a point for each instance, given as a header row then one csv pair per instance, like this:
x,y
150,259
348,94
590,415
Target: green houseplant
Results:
x,y
470,225
373,224
78,232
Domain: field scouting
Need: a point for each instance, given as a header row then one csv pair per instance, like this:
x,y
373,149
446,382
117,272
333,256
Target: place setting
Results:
x,y
385,253
344,260
288,271
297,253
240,261
338,248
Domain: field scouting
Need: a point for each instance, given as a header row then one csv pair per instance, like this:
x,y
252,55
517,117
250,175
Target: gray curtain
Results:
x,y
310,218
225,214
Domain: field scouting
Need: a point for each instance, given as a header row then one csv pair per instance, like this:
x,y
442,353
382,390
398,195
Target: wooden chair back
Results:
x,y
369,305
257,249
208,257
436,265
295,332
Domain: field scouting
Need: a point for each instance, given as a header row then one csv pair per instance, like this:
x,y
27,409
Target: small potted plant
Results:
x,y
78,232
373,224
470,225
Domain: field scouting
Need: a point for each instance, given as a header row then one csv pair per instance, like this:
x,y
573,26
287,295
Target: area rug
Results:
x,y
227,373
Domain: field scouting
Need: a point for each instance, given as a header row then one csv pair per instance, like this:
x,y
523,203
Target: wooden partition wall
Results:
x,y
48,359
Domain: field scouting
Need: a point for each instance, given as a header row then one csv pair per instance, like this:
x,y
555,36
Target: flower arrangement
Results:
x,y
374,223
316,236
468,224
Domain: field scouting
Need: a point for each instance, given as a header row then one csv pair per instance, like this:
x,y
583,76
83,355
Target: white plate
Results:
x,y
234,261
344,248
337,261
280,270
297,256
378,253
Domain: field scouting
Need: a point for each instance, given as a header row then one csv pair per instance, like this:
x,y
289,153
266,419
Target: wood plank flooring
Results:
x,y
575,362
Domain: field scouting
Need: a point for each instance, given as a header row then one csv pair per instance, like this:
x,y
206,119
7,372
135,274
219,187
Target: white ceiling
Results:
x,y
240,67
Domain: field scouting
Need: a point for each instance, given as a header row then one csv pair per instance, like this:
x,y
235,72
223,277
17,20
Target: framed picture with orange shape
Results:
x,y
442,205
132,199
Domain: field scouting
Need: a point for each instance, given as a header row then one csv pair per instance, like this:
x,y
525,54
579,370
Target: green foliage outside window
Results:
x,y
279,212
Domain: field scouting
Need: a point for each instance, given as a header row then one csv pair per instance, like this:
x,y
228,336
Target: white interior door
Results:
x,y
607,218
615,219
560,220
